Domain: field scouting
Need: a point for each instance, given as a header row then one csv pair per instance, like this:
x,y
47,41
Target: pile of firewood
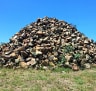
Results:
x,y
48,42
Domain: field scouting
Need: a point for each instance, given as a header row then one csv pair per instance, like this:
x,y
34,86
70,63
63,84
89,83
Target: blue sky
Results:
x,y
15,14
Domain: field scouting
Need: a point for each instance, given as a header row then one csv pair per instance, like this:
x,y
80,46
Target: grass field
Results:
x,y
40,80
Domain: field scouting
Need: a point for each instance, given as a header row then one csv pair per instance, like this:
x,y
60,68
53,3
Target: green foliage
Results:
x,y
68,49
77,55
79,80
62,59
62,69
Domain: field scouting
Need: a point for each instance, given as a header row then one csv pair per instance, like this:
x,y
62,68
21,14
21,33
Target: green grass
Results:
x,y
39,80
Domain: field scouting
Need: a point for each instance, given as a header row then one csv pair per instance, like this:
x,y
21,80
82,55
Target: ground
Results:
x,y
41,80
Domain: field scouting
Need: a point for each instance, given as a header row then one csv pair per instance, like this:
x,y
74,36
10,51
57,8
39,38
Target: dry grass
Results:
x,y
40,80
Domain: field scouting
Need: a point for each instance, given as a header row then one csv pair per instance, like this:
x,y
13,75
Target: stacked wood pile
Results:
x,y
48,42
